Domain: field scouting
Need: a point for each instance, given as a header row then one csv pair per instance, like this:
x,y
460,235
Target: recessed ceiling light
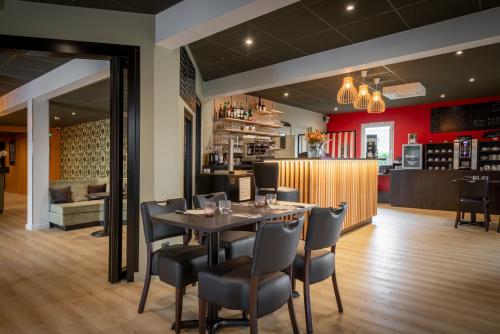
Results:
x,y
285,94
249,41
459,52
472,80
73,113
335,108
442,95
350,7
57,118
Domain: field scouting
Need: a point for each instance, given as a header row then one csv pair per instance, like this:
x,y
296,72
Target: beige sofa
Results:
x,y
81,212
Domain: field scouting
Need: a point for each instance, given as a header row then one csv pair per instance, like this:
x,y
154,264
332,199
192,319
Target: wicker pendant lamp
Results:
x,y
347,93
364,98
377,105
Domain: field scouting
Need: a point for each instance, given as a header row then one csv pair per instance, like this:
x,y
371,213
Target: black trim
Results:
x,y
198,153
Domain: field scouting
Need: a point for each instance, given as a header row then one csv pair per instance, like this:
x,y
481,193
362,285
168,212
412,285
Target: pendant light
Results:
x,y
377,105
364,98
347,93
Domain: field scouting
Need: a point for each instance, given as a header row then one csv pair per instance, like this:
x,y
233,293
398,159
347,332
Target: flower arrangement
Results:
x,y
316,137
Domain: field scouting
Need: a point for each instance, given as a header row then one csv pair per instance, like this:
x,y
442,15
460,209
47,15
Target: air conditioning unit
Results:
x,y
413,89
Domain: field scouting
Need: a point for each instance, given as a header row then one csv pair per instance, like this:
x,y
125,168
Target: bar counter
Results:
x,y
328,182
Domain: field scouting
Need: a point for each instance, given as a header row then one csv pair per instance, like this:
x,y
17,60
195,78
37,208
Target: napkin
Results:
x,y
195,212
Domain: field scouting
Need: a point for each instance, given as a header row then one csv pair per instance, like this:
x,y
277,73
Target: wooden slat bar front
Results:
x,y
329,182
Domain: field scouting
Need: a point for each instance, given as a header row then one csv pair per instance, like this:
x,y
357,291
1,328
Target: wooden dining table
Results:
x,y
242,214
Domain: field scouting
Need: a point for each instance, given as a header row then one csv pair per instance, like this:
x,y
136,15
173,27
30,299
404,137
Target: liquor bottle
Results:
x,y
224,111
259,105
249,113
220,113
230,111
216,156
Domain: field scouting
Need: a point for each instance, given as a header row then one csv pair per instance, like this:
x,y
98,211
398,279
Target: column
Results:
x,y
38,164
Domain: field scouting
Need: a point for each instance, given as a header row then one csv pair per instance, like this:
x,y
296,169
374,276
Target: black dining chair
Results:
x,y
265,176
257,285
314,264
176,265
473,198
235,242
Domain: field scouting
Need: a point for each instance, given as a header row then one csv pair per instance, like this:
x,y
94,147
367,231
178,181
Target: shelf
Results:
x,y
267,112
489,161
225,120
447,153
253,133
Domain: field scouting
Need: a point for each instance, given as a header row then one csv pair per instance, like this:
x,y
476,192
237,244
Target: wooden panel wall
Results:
x,y
16,181
329,182
55,155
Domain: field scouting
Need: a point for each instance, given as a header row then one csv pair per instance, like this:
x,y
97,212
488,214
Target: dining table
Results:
x,y
241,214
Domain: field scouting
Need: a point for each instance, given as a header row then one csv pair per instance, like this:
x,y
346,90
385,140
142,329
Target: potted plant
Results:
x,y
316,141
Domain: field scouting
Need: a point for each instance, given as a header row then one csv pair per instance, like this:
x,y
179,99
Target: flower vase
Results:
x,y
315,150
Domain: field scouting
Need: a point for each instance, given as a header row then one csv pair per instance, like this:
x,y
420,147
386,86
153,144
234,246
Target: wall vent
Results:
x,y
414,89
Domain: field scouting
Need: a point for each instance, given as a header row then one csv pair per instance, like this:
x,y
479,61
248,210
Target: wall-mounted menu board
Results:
x,y
480,116
187,80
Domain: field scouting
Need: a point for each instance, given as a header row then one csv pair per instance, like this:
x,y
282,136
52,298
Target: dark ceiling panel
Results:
x,y
142,6
444,74
18,118
310,26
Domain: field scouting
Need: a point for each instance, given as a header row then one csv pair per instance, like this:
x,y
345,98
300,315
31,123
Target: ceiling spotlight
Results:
x,y
249,41
73,113
459,52
442,96
472,80
336,109
57,118
350,7
285,94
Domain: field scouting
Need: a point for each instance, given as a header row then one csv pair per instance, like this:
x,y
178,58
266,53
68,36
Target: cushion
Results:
x,y
98,188
237,243
77,207
78,187
322,264
61,195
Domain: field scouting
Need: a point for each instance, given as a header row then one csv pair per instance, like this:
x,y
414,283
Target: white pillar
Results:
x,y
38,164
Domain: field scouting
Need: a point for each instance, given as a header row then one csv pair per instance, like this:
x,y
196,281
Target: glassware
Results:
x,y
209,208
225,207
271,199
260,200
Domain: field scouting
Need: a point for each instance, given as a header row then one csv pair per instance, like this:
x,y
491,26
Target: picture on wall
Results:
x,y
12,152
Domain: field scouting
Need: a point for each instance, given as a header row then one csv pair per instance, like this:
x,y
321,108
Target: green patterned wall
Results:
x,y
85,151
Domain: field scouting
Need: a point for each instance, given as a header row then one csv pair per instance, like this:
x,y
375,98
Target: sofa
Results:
x,y
81,212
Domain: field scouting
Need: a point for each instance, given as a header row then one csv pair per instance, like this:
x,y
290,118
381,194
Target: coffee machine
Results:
x,y
465,153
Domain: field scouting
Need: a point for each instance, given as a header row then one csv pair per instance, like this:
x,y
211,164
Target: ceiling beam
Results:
x,y
464,32
72,75
192,20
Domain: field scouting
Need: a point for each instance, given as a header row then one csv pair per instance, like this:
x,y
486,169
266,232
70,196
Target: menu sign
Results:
x,y
187,80
480,116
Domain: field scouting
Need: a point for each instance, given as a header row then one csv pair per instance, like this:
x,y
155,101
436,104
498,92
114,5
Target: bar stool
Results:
x,y
473,198
265,176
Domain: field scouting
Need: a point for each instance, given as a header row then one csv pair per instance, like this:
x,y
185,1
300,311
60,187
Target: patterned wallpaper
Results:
x,y
85,151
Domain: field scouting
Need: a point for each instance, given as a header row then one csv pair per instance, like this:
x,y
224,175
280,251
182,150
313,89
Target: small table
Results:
x,y
105,196
242,214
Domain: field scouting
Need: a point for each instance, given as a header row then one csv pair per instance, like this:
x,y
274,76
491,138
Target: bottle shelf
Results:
x,y
242,121
267,112
254,133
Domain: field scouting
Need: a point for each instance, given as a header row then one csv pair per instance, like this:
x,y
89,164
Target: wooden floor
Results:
x,y
409,272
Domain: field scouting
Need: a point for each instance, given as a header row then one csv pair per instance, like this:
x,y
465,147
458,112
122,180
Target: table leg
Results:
x,y
105,229
213,259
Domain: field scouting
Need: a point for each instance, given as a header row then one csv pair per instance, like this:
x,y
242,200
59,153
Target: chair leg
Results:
x,y
147,283
254,283
337,293
307,305
178,309
486,219
203,304
457,219
293,317
463,215
498,226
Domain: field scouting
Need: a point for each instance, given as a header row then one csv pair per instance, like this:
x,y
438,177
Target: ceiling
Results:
x,y
447,74
18,118
19,68
135,6
311,26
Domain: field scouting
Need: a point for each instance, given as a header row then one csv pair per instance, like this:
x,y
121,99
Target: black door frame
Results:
x,y
188,158
119,55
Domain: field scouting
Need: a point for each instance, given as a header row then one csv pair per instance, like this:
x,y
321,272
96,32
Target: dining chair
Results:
x,y
265,176
473,198
314,264
235,242
255,285
176,265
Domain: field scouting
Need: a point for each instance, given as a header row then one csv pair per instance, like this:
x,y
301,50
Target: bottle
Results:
x,y
249,113
219,114
229,111
258,105
216,156
224,111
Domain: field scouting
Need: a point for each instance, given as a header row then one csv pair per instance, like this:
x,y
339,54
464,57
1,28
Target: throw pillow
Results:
x,y
61,195
98,188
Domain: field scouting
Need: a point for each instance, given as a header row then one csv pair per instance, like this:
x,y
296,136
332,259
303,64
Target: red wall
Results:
x,y
407,119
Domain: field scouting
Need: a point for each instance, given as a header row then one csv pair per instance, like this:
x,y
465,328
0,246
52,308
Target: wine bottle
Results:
x,y
219,114
224,111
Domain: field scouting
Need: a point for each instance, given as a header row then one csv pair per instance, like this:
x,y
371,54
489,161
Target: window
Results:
x,y
377,141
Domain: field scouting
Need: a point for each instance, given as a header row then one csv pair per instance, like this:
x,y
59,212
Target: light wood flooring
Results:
x,y
408,272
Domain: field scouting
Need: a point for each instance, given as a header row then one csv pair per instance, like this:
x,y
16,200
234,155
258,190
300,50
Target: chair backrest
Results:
x,y
155,231
477,189
265,175
275,246
200,200
325,225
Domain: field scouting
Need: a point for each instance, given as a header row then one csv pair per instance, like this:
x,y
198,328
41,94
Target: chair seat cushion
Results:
x,y
178,265
237,243
77,207
228,285
472,204
322,265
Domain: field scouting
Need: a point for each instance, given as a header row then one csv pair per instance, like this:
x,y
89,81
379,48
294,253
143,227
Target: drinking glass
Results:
x,y
209,208
260,200
271,199
225,207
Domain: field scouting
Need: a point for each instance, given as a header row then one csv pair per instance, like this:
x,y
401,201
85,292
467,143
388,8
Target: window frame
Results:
x,y
365,126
